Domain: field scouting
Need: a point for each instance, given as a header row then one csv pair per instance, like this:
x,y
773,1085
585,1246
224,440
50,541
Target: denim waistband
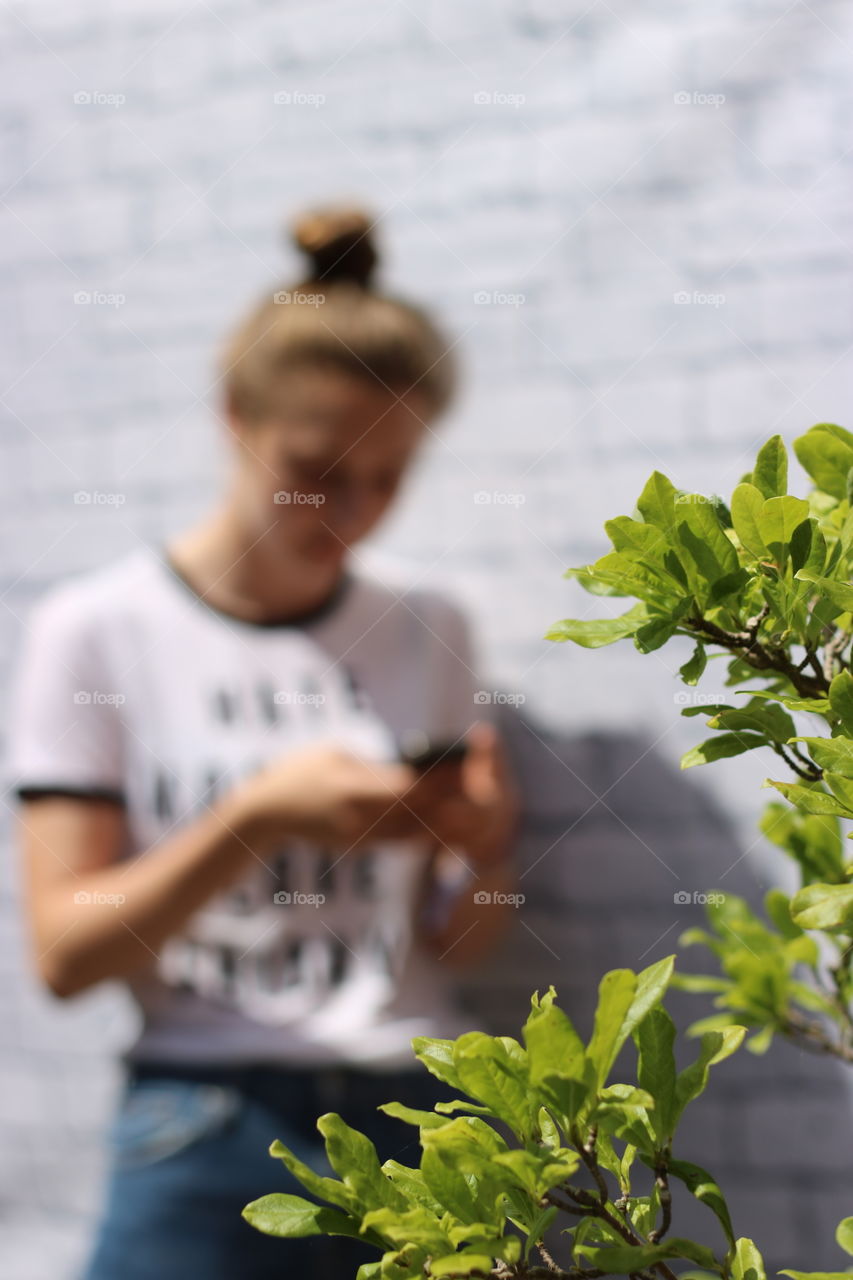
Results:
x,y
312,1086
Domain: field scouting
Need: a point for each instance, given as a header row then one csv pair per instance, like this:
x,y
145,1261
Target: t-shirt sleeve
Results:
x,y
64,730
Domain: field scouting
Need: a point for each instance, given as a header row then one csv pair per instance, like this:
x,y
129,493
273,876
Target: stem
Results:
x,y
665,1197
811,774
810,1035
747,646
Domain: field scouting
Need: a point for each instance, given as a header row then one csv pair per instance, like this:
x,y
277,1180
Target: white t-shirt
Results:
x,y
130,685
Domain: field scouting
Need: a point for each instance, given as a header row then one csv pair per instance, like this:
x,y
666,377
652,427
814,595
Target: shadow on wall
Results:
x,y
611,833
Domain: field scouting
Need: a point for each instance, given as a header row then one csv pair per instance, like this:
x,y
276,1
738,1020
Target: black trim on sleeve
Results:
x,y
37,790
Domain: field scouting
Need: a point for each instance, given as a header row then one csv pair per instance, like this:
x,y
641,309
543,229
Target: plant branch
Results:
x,y
763,658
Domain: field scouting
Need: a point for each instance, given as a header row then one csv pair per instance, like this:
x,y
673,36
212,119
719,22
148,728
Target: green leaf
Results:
x,y
701,1185
839,593
656,503
747,1263
763,717
461,1264
834,754
437,1057
747,506
597,632
844,1235
823,906
810,798
777,521
770,474
793,703
841,699
293,1217
695,665
715,1046
616,993
353,1157
703,537
423,1119
817,1275
487,1073
826,453
655,1037
623,1260
553,1045
725,744
324,1188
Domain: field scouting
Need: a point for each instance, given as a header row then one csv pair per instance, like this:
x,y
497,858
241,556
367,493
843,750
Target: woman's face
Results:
x,y
319,473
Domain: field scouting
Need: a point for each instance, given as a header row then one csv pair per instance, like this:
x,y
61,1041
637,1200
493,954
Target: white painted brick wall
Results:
x,y
599,198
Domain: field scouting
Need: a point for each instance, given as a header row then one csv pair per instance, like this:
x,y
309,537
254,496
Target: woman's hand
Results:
x,y
480,816
329,796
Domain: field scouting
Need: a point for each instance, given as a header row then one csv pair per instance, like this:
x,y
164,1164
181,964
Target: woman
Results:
x,y
206,741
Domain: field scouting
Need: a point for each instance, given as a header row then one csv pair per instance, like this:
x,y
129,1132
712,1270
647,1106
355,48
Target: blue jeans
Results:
x,y
190,1148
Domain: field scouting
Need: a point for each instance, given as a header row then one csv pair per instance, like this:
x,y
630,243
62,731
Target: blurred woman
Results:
x,y
215,805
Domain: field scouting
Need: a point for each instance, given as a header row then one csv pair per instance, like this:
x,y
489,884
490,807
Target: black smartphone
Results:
x,y
421,753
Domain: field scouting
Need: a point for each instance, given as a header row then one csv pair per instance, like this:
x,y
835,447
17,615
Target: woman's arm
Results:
x,y
95,918
466,913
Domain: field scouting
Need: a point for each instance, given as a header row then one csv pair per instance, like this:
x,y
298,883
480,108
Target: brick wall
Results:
x,y
552,178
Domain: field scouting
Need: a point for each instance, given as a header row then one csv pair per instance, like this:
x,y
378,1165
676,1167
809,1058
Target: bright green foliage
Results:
x,y
542,1129
764,582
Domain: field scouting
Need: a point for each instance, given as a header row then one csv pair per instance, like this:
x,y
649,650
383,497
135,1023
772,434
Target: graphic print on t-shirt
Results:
x,y
306,931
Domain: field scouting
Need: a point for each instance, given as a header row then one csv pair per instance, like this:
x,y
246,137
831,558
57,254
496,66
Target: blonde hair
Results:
x,y
333,318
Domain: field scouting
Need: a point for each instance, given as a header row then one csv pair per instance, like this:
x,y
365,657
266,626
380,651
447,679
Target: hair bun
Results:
x,y
338,242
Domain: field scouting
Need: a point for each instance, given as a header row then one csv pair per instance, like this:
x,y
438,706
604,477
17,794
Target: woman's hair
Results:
x,y
334,318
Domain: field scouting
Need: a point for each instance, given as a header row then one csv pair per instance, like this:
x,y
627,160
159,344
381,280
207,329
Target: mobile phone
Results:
x,y
422,753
